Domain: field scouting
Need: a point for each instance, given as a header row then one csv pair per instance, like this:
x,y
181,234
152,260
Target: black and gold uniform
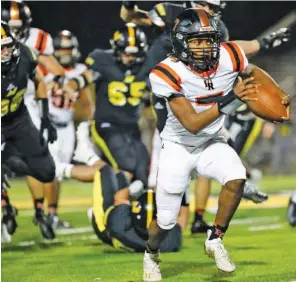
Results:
x,y
244,128
119,92
125,226
20,138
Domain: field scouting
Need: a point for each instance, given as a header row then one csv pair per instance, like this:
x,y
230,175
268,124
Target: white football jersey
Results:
x,y
62,115
40,41
171,77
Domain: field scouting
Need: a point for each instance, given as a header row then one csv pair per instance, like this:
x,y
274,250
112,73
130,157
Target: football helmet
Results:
x,y
66,48
18,16
143,211
197,25
9,49
129,41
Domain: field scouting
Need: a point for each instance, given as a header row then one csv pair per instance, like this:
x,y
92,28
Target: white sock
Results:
x,y
67,170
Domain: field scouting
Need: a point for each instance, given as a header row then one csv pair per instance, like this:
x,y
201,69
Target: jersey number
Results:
x,y
117,92
12,104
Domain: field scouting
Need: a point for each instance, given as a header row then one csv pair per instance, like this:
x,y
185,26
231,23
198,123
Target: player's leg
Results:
x,y
184,211
291,212
156,147
175,165
39,164
220,161
61,151
242,136
116,146
202,193
142,160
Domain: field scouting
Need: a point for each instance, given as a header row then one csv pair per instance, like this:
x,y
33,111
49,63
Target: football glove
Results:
x,y
46,125
275,39
129,5
229,103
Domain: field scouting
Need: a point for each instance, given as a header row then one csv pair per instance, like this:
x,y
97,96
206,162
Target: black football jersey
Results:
x,y
163,16
119,91
14,85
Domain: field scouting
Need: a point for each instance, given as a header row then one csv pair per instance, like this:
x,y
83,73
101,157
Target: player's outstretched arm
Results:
x,y
51,64
130,12
271,40
40,86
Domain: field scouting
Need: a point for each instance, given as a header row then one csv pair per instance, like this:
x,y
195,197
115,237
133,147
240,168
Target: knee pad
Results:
x,y
166,218
122,180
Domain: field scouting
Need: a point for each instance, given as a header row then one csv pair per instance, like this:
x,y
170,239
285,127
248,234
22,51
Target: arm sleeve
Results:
x,y
93,64
119,225
31,60
164,14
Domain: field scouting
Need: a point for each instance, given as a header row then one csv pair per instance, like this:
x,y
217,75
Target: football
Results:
x,y
268,104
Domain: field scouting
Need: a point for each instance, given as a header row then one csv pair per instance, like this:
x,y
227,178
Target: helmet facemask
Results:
x,y
203,51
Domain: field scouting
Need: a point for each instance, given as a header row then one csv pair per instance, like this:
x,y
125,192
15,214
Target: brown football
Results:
x,y
268,104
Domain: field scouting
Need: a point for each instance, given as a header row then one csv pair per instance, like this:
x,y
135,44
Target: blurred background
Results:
x,y
94,22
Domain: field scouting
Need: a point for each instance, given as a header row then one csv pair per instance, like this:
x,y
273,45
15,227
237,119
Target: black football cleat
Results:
x,y
41,220
57,223
199,226
9,213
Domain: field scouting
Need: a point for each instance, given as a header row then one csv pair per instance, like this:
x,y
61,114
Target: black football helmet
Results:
x,y
130,40
66,48
10,51
196,24
18,16
143,211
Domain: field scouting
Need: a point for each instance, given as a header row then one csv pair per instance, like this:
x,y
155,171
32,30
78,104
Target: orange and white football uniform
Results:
x,y
206,152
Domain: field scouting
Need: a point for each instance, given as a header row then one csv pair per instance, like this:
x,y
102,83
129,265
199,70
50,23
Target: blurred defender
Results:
x,y
119,91
24,146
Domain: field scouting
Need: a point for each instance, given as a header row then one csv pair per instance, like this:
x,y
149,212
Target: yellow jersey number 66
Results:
x,y
118,90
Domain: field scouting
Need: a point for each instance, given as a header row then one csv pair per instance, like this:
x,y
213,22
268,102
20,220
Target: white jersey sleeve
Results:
x,y
40,41
165,82
234,56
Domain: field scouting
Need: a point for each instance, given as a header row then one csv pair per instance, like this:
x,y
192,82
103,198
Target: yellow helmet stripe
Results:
x,y
3,32
131,36
149,207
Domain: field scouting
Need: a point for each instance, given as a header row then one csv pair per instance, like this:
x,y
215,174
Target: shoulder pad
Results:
x,y
99,58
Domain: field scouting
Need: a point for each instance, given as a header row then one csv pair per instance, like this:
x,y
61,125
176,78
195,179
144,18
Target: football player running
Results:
x,y
161,17
119,91
23,146
192,138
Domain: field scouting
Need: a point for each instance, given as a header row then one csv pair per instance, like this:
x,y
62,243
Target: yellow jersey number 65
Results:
x,y
118,92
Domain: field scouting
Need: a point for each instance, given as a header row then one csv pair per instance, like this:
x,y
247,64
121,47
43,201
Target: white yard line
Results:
x,y
265,227
55,241
74,230
253,220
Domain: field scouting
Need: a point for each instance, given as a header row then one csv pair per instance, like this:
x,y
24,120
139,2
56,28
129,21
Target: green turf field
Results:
x,y
260,242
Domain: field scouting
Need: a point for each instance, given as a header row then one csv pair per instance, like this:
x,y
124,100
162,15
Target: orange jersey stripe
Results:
x,y
39,38
172,72
231,55
204,20
44,41
240,55
166,79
